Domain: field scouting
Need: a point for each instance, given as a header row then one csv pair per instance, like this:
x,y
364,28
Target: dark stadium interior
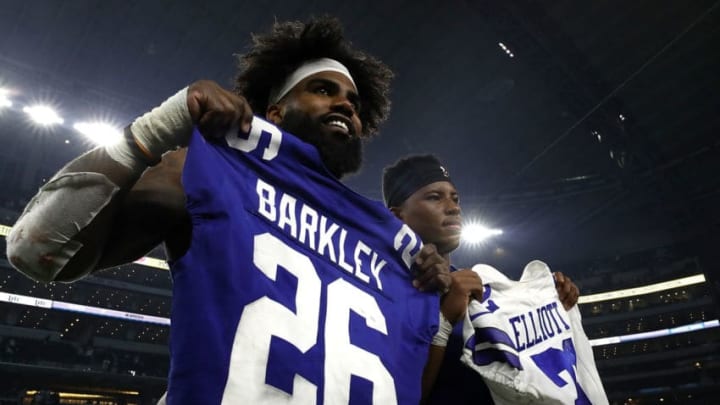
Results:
x,y
595,148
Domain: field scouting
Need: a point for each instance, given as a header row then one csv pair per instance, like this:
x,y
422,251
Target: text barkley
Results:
x,y
327,238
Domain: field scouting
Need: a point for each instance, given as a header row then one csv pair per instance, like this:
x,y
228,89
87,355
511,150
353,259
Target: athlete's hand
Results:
x,y
567,291
215,110
432,270
465,285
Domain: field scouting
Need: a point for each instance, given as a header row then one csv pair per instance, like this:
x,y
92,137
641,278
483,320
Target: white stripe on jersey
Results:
x,y
525,345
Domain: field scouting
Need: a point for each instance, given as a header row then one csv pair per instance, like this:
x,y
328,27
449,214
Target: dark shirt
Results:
x,y
456,383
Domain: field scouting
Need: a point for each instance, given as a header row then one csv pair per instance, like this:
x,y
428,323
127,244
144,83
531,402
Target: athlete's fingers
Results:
x,y
560,285
467,282
434,278
572,296
432,271
216,111
221,116
568,292
428,250
429,261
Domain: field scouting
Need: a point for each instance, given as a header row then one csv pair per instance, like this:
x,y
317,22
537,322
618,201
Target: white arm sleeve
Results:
x,y
41,242
165,128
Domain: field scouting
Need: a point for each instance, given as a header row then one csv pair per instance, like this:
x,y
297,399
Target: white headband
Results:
x,y
306,69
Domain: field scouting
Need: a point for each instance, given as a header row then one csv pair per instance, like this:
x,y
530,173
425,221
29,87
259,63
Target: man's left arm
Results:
x,y
464,285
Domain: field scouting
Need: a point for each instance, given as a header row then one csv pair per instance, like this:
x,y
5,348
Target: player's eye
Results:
x,y
355,104
322,90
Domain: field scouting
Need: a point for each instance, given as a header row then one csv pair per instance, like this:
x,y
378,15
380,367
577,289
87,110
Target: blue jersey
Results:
x,y
295,289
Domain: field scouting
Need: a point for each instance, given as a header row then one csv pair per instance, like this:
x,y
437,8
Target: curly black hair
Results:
x,y
275,55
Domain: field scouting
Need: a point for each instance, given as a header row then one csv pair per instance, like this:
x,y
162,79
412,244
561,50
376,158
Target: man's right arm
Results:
x,y
63,232
84,218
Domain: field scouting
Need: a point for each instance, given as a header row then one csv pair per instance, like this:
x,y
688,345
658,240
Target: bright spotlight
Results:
x,y
4,100
99,132
475,233
43,115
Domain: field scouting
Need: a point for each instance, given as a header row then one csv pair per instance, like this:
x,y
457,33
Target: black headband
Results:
x,y
410,174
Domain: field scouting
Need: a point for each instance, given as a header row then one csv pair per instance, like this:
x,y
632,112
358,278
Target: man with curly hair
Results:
x,y
287,287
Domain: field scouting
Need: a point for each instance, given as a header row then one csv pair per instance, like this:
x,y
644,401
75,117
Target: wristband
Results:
x,y
165,128
444,330
127,153
147,156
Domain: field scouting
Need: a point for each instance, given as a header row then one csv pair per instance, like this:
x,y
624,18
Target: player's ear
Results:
x,y
274,113
397,211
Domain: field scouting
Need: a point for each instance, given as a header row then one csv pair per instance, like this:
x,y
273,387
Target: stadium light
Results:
x,y
475,233
99,132
4,100
43,115
506,49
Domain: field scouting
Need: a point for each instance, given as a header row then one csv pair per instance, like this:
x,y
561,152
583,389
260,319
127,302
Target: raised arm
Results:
x,y
63,231
105,208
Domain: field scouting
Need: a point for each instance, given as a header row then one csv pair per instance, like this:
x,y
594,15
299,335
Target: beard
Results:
x,y
342,155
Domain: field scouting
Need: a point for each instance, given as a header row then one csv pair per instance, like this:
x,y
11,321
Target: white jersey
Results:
x,y
525,345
